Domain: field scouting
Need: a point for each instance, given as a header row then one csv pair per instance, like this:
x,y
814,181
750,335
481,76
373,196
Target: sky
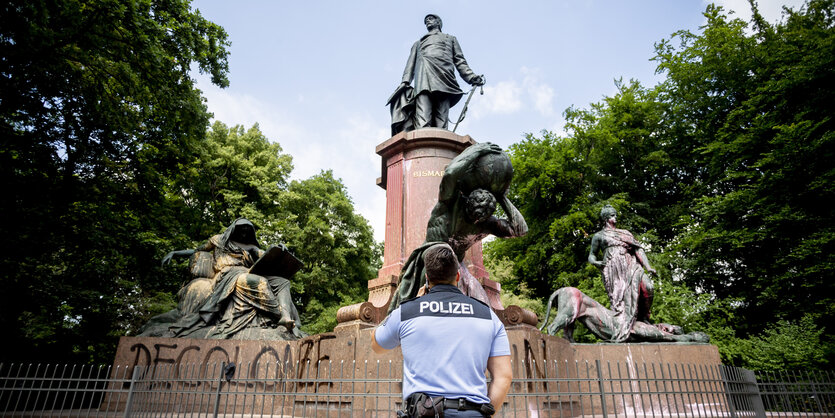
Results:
x,y
316,75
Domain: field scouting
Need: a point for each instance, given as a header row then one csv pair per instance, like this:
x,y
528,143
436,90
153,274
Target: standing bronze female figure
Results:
x,y
624,266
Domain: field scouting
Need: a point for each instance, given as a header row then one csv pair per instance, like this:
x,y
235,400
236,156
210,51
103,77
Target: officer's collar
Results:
x,y
444,288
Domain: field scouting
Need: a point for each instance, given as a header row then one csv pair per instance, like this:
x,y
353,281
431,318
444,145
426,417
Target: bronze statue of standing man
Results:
x,y
431,65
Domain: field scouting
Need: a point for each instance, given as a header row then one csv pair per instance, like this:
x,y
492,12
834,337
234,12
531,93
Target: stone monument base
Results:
x,y
331,372
672,353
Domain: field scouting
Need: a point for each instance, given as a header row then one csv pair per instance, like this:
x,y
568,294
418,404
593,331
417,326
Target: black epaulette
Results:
x,y
481,302
409,300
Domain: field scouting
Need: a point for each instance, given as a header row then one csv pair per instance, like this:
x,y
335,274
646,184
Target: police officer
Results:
x,y
448,340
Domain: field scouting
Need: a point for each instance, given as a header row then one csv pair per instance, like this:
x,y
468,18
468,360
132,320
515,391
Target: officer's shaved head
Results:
x,y
441,264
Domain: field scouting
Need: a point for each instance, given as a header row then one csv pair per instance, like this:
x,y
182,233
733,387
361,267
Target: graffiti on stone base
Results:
x,y
312,354
533,358
193,366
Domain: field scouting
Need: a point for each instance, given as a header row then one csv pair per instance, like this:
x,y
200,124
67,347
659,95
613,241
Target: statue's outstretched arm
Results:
x,y
461,65
513,226
179,253
207,246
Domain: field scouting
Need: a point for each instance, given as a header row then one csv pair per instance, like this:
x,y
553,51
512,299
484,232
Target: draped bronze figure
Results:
x,y
239,291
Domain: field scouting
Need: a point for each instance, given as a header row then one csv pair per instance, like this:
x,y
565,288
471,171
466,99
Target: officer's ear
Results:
x,y
457,276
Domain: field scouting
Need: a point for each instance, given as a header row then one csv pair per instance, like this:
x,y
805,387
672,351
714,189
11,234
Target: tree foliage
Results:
x,y
560,185
234,172
97,111
764,128
723,170
787,345
336,244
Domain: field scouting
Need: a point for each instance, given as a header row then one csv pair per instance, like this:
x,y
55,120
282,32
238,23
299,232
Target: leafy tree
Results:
x,y
787,345
235,172
759,108
336,244
501,270
97,110
617,154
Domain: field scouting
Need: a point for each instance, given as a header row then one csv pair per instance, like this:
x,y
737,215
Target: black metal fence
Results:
x,y
787,391
539,389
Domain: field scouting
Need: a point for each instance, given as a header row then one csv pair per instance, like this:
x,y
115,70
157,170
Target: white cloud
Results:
x,y
504,97
525,91
238,109
771,10
543,98
541,94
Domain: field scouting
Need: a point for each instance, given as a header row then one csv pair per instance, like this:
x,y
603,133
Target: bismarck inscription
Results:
x,y
428,173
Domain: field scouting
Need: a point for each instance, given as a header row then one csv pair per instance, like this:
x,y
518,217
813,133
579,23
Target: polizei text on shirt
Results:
x,y
446,307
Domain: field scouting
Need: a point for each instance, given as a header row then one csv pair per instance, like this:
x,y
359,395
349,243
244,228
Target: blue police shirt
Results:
x,y
446,339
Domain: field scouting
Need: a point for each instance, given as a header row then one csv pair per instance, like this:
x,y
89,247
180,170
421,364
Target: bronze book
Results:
x,y
277,261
